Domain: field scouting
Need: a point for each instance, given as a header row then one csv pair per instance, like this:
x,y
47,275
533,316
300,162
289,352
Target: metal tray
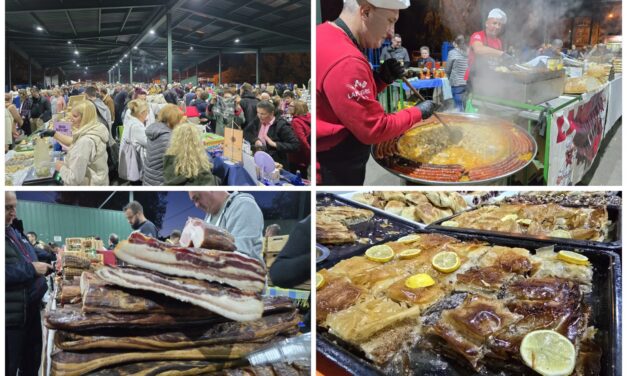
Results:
x,y
371,230
606,317
450,116
614,214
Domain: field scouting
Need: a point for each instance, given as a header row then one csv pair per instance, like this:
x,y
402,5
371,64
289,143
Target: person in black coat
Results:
x,y
40,109
119,102
273,135
248,103
292,267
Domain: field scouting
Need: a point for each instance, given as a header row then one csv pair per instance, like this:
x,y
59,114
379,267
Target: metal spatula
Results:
x,y
454,135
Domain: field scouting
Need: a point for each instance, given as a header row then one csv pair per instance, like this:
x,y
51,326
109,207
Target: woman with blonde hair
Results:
x,y
135,131
86,161
158,136
57,102
186,161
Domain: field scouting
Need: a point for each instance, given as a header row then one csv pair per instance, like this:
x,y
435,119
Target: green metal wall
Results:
x,y
48,220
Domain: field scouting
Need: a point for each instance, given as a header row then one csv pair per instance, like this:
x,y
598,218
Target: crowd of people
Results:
x,y
118,136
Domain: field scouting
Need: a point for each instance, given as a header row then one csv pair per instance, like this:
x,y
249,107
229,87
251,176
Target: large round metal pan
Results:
x,y
479,118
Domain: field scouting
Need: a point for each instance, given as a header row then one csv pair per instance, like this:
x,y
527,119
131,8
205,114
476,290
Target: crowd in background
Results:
x,y
133,133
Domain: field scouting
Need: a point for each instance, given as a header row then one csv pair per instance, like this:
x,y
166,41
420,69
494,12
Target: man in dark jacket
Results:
x,y
40,111
25,288
248,103
271,134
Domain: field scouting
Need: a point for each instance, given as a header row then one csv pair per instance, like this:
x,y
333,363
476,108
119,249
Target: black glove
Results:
x,y
507,60
47,133
390,71
426,108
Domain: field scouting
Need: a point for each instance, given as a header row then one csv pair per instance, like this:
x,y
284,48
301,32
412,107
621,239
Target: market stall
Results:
x,y
148,316
408,285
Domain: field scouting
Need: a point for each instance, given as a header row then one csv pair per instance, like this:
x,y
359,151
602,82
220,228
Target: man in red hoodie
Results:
x,y
349,118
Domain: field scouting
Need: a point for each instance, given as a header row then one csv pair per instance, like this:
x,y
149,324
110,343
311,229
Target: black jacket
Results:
x,y
280,132
249,106
24,288
292,266
41,109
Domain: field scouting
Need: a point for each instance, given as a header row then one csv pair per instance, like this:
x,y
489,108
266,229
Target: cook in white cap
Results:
x,y
487,42
350,118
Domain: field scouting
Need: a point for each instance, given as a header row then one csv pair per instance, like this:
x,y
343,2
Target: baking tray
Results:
x,y
606,317
614,214
371,230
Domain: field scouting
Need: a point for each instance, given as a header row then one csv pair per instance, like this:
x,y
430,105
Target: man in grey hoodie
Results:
x,y
237,213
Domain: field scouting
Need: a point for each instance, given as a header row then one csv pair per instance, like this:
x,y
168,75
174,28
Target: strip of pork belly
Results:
x,y
233,269
226,301
261,330
199,234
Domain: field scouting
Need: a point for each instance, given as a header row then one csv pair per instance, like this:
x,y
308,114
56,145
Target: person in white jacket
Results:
x,y
135,128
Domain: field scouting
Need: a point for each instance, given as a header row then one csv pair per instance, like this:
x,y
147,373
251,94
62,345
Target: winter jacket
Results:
x,y
41,109
23,287
158,136
249,106
135,132
281,133
86,161
300,160
119,103
204,178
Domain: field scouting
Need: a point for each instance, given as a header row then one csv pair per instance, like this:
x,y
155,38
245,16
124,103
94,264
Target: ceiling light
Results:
x,y
75,52
236,40
69,42
161,63
191,48
135,47
78,65
74,61
39,28
152,31
125,55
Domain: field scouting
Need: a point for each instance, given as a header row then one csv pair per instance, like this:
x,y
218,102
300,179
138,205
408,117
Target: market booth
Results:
x,y
559,119
457,283
129,311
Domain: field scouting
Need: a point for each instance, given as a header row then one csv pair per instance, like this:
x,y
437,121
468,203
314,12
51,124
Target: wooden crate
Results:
x,y
74,244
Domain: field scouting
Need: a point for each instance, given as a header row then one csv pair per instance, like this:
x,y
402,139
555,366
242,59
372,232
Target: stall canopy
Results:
x,y
119,37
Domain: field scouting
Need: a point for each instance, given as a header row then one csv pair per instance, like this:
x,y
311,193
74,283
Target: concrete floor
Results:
x,y
607,172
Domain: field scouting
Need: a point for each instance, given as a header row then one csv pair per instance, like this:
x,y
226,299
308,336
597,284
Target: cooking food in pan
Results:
x,y
490,148
423,207
575,198
332,223
484,306
538,220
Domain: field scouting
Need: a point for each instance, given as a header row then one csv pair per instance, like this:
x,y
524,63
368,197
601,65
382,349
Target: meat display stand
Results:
x,y
614,244
380,229
606,317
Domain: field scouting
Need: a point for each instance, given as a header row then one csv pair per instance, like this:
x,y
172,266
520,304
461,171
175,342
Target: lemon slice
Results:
x,y
446,262
560,234
380,253
450,224
409,253
319,281
417,281
572,257
548,353
509,217
409,238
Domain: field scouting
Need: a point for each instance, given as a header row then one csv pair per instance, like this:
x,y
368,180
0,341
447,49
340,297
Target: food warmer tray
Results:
x,y
494,179
606,317
614,214
371,230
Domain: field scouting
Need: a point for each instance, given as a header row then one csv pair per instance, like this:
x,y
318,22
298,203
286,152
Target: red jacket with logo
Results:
x,y
346,93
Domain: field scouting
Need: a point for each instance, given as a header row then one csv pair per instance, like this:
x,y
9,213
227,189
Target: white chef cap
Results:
x,y
498,14
390,4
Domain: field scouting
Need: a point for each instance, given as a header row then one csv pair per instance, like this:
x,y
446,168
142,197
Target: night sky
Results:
x,y
179,206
